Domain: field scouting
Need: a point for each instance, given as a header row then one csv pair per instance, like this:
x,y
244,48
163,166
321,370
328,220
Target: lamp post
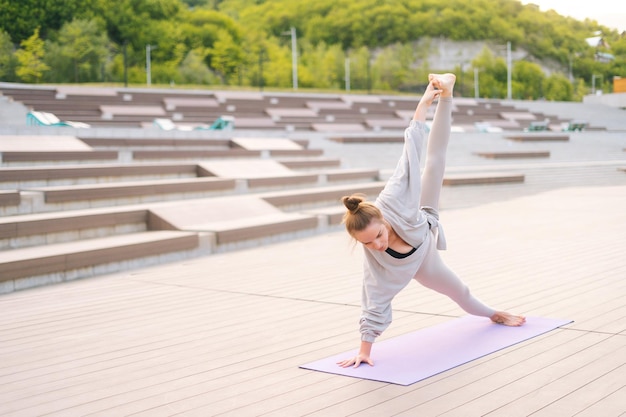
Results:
x,y
508,71
149,48
593,82
294,56
347,71
476,94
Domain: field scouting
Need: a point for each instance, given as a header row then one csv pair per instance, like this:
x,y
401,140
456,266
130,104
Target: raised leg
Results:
x,y
432,177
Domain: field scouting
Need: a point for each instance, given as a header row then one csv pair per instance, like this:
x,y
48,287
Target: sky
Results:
x,y
611,13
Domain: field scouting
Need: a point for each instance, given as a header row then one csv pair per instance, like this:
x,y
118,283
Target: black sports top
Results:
x,y
399,255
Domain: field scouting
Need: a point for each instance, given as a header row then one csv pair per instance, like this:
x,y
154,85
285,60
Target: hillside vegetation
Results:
x,y
384,45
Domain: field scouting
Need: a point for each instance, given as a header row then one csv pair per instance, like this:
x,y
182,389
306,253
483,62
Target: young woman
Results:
x,y
400,231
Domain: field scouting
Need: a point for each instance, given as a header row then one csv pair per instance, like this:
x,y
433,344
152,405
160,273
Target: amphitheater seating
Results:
x,y
88,202
183,110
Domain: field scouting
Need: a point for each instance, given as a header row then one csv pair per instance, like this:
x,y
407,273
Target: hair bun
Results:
x,y
352,202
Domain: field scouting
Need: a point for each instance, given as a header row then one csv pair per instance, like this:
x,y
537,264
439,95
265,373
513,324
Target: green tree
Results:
x,y
492,75
225,56
527,80
193,70
361,71
322,66
558,88
84,44
21,18
30,59
8,62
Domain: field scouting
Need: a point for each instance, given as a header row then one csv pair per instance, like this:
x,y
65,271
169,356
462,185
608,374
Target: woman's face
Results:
x,y
375,236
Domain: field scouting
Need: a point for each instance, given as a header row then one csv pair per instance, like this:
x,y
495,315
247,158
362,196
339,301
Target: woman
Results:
x,y
400,231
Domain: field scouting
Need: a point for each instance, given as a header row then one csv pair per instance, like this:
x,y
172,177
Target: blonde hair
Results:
x,y
360,213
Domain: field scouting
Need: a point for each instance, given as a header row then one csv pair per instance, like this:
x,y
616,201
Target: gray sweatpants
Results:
x,y
433,273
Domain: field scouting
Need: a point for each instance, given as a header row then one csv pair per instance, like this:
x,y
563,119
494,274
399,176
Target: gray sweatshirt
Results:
x,y
384,276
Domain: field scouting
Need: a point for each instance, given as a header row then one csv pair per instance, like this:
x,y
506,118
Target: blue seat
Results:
x,y
40,118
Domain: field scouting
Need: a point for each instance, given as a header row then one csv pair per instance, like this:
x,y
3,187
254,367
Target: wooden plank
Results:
x,y
23,174
28,225
537,137
484,178
88,192
368,139
10,198
514,154
21,263
194,154
54,156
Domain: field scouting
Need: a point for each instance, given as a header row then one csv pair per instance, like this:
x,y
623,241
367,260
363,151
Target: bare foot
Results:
x,y
508,319
445,82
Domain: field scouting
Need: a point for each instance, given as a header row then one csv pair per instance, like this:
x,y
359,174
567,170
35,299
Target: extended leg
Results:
x,y
436,275
432,177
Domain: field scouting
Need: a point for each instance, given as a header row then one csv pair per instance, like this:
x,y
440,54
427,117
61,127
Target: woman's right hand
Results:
x,y
356,361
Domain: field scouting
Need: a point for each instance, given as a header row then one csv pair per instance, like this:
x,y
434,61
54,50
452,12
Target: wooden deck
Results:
x,y
225,334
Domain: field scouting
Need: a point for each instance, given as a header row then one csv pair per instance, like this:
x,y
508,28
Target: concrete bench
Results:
x,y
360,99
338,127
501,123
379,124
485,178
258,173
42,143
539,138
328,105
136,189
232,219
174,103
265,144
351,175
320,196
521,115
278,114
332,215
73,258
110,112
225,96
514,154
93,93
254,123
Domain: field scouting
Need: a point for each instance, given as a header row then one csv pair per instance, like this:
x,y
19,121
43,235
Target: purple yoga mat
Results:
x,y
415,356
